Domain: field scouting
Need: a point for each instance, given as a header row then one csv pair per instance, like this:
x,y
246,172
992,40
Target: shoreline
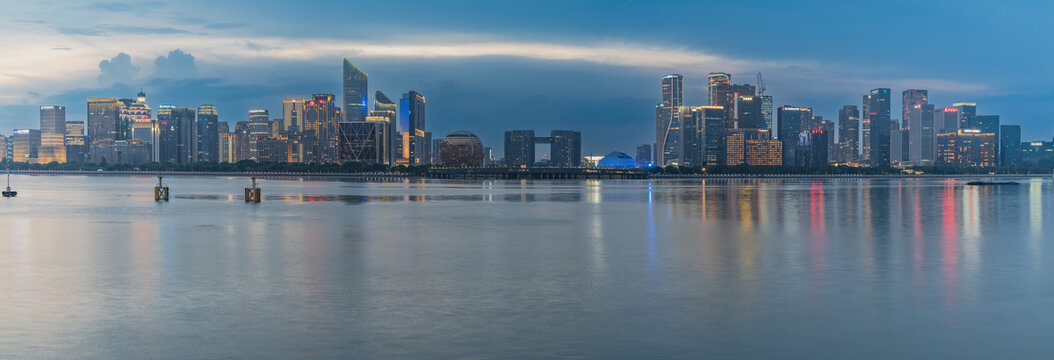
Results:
x,y
409,176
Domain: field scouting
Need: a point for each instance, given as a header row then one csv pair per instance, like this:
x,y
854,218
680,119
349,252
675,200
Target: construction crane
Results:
x,y
761,85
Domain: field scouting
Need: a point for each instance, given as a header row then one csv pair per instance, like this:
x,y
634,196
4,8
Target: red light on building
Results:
x,y
323,102
874,113
311,103
947,110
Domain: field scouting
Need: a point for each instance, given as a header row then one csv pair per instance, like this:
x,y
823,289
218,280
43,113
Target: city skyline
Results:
x,y
467,69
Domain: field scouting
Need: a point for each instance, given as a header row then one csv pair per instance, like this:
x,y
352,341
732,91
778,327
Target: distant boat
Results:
x,y
8,193
992,183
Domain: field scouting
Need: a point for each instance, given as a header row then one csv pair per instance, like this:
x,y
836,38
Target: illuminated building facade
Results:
x,y
415,144
848,133
103,117
911,99
793,121
355,94
879,121
667,121
25,143
461,149
208,133
176,140
321,116
77,148
52,135
966,148
125,152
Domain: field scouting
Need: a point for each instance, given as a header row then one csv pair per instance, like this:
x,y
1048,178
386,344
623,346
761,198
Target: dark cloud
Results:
x,y
119,69
177,65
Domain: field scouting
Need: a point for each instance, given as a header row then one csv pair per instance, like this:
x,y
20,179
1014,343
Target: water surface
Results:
x,y
92,267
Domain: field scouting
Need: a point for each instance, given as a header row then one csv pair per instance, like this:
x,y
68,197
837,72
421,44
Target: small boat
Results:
x,y
992,183
8,193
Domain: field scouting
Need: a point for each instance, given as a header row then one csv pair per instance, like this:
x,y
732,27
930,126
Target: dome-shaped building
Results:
x,y
617,160
461,149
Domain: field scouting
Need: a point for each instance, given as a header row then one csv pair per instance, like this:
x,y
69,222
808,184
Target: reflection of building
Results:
x,y
461,149
966,148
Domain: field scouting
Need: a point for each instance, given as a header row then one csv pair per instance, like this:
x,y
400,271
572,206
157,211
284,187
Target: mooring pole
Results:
x,y
252,193
160,191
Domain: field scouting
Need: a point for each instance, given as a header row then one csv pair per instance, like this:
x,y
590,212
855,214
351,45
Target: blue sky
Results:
x,y
491,66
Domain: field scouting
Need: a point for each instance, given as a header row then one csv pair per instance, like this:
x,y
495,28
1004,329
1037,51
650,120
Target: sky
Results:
x,y
492,66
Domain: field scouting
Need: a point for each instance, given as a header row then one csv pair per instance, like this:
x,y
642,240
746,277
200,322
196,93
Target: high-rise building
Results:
x,y
865,127
125,152
77,146
966,111
25,143
815,145
356,106
946,120
519,148
320,118
1037,153
461,149
988,124
922,147
3,148
764,152
412,128
728,96
878,113
711,119
135,119
713,80
966,148
827,126
667,120
363,141
748,113
897,141
737,145
565,147
103,118
644,155
848,133
293,113
793,122
911,99
1010,145
766,110
384,127
208,133
176,140
52,134
692,136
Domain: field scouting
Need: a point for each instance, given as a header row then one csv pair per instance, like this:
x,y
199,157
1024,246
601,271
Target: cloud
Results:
x,y
225,26
178,65
119,69
102,30
62,48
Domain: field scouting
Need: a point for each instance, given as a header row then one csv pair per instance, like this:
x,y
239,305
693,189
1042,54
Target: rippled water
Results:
x,y
91,267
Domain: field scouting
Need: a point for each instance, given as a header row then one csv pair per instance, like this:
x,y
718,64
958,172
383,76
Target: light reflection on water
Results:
x,y
412,268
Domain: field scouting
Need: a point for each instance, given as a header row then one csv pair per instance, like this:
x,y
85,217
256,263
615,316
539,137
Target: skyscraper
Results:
x,y
293,113
412,128
388,109
208,134
794,121
865,127
519,148
712,120
565,147
644,154
667,120
946,120
692,136
922,146
355,102
766,110
966,111
176,140
713,80
878,113
848,133
1010,145
748,112
52,134
911,99
320,119
102,118
728,96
